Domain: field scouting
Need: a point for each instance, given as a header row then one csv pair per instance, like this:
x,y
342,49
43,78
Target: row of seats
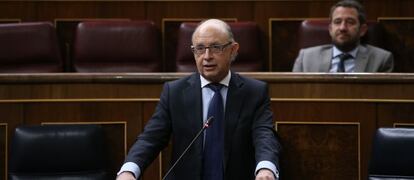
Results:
x,y
46,152
112,46
135,46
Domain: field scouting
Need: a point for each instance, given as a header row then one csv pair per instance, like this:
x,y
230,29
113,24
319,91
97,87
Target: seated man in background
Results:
x,y
347,26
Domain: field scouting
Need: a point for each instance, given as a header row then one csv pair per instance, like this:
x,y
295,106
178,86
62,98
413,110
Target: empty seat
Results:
x,y
117,46
29,48
314,32
392,154
247,34
58,152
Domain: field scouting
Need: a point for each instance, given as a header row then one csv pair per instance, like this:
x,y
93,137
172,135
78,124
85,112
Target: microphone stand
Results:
x,y
205,126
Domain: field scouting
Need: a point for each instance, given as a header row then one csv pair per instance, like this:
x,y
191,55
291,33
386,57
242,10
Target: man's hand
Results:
x,y
125,176
265,174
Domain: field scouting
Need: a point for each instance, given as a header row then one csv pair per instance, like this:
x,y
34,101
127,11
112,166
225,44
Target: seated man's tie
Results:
x,y
214,140
342,58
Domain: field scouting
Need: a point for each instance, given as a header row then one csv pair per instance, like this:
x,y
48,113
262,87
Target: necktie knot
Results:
x,y
341,65
345,56
216,87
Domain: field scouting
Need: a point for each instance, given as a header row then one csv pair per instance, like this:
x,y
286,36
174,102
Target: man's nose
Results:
x,y
343,26
207,54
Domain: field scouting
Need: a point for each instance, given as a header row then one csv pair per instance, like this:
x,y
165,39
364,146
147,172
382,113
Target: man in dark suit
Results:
x,y
347,26
247,147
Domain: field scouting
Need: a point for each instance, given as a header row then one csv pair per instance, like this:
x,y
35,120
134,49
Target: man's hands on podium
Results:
x,y
125,176
265,174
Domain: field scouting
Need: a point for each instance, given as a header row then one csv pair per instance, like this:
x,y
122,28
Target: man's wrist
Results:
x,y
275,173
132,168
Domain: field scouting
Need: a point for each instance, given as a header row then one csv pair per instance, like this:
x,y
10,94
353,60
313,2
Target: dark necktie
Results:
x,y
342,58
214,139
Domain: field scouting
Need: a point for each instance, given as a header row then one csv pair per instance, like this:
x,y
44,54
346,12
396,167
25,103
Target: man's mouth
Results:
x,y
209,66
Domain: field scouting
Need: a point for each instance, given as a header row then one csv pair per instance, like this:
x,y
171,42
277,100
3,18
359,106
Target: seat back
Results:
x,y
247,34
58,152
392,154
314,32
117,46
29,48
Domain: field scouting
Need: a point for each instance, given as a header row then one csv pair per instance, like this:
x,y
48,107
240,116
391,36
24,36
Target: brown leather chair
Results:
x,y
392,154
52,152
314,32
247,34
117,46
29,48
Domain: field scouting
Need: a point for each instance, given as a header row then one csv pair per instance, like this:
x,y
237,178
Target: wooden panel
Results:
x,y
4,21
11,116
400,39
283,43
319,150
403,125
328,112
393,113
311,104
74,91
3,150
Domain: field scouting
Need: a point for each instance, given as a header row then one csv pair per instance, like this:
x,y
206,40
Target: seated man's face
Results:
x,y
345,28
214,63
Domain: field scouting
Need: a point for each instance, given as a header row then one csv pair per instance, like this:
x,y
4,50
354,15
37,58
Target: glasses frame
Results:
x,y
219,48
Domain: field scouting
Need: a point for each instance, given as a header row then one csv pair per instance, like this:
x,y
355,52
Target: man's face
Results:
x,y
214,63
345,28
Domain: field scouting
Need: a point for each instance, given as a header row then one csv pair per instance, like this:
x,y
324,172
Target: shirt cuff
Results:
x,y
267,165
131,167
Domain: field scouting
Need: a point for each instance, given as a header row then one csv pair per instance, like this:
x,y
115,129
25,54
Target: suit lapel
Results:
x,y
192,103
326,58
361,59
234,103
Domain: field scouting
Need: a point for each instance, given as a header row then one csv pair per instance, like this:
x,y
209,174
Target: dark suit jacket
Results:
x,y
369,59
249,132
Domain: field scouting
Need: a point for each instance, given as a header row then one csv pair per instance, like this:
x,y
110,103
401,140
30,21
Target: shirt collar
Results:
x,y
225,81
337,52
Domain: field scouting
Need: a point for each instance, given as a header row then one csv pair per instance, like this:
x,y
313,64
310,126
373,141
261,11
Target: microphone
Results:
x,y
205,126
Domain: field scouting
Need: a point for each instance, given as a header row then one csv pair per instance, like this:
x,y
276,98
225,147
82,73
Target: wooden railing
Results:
x,y
325,121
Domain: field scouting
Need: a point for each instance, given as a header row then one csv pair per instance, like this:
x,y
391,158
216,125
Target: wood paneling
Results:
x,y
283,46
391,113
3,149
316,113
319,150
325,114
400,41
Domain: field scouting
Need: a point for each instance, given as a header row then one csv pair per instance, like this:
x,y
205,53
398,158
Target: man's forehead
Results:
x,y
209,36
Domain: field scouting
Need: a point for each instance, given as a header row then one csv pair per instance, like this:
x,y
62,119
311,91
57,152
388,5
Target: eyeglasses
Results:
x,y
215,48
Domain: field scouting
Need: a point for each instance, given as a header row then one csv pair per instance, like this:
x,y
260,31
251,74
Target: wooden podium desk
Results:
x,y
325,122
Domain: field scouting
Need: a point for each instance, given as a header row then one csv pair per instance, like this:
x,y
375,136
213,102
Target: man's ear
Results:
x,y
363,30
234,51
235,47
